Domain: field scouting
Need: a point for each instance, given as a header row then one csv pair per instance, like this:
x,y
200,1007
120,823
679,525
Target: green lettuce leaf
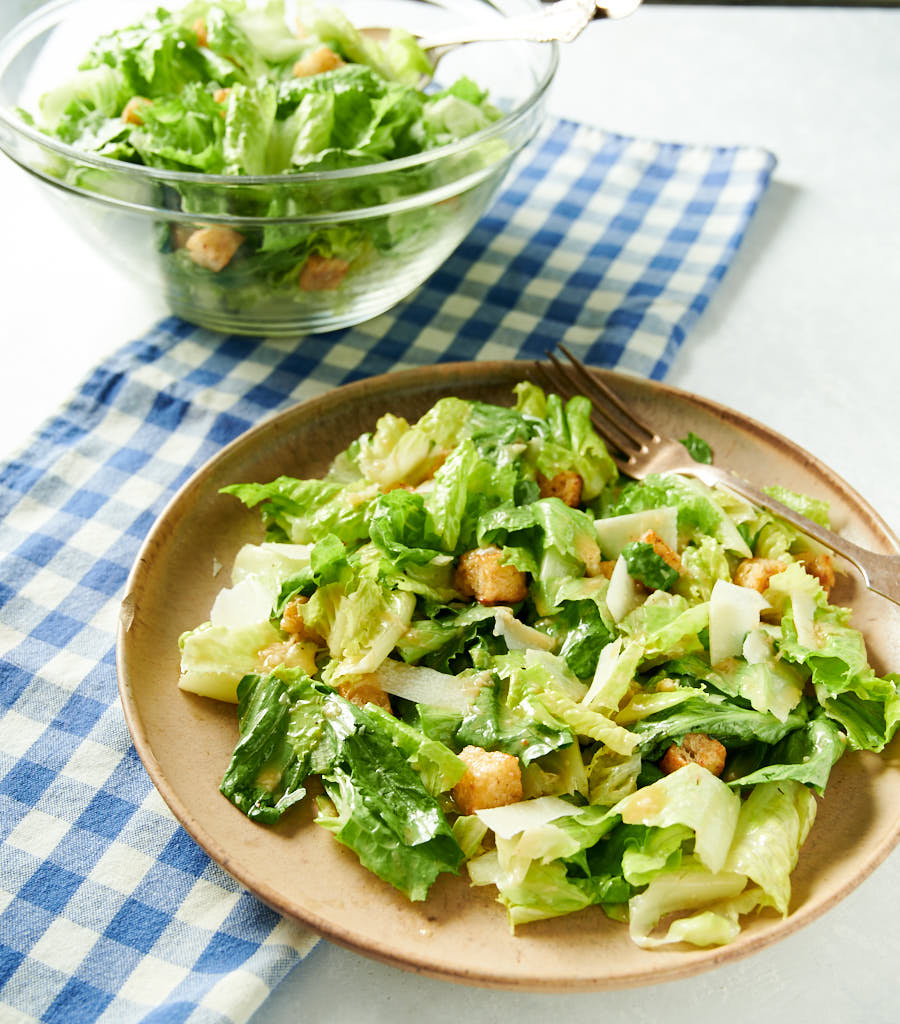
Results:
x,y
384,813
774,822
249,119
716,716
303,511
291,727
284,737
698,449
515,729
399,525
569,439
813,508
214,659
157,56
647,567
360,625
806,756
694,797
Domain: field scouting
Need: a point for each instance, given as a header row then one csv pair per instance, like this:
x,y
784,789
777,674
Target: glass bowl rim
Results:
x,y
12,43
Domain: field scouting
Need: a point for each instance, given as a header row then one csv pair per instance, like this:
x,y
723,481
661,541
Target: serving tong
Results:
x,y
562,21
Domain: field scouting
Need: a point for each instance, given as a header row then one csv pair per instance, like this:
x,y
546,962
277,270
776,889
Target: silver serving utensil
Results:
x,y
561,21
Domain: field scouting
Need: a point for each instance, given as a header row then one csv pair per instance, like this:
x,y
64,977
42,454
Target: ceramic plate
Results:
x,y
459,933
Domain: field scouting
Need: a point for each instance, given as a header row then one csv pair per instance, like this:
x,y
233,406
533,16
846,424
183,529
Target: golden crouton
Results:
x,y
755,573
321,59
566,486
213,248
604,569
492,779
656,542
362,690
290,654
180,233
220,95
697,748
199,27
322,273
292,621
131,112
822,567
480,574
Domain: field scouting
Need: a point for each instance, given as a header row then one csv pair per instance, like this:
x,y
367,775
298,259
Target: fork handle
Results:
x,y
880,572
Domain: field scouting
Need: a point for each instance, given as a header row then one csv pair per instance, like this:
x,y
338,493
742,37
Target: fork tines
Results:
x,y
615,423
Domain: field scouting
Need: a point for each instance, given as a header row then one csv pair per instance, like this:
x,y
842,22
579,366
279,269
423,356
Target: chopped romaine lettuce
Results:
x,y
404,685
241,88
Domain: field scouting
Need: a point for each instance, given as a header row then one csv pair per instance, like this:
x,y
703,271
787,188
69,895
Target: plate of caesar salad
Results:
x,y
419,668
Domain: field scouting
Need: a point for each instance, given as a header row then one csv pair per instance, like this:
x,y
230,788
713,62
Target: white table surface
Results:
x,y
802,335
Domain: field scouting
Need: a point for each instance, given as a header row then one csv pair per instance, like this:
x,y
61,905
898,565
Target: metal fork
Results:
x,y
639,450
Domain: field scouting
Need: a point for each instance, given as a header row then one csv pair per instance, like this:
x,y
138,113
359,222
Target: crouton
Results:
x,y
220,95
656,542
199,27
479,574
566,486
292,621
362,690
492,779
755,573
698,748
180,233
213,248
604,569
322,273
289,653
131,112
321,59
822,567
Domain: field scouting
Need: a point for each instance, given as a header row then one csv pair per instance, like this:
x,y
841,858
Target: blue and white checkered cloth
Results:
x,y
108,910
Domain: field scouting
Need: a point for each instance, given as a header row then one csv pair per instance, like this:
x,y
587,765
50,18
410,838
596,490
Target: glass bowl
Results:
x,y
402,218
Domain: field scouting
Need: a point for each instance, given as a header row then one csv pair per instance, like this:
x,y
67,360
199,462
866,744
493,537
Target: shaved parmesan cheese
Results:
x,y
270,559
425,685
733,612
246,602
616,532
257,574
512,819
624,594
757,647
517,635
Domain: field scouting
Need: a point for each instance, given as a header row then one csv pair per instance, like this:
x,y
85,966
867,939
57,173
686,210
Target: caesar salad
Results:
x,y
500,657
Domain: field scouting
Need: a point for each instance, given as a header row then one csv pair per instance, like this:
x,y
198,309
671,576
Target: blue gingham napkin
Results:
x,y
108,910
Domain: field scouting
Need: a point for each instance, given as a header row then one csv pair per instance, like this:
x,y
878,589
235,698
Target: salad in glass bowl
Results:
x,y
275,169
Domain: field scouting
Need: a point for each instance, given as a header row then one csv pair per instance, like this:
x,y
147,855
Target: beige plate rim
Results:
x,y
404,381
